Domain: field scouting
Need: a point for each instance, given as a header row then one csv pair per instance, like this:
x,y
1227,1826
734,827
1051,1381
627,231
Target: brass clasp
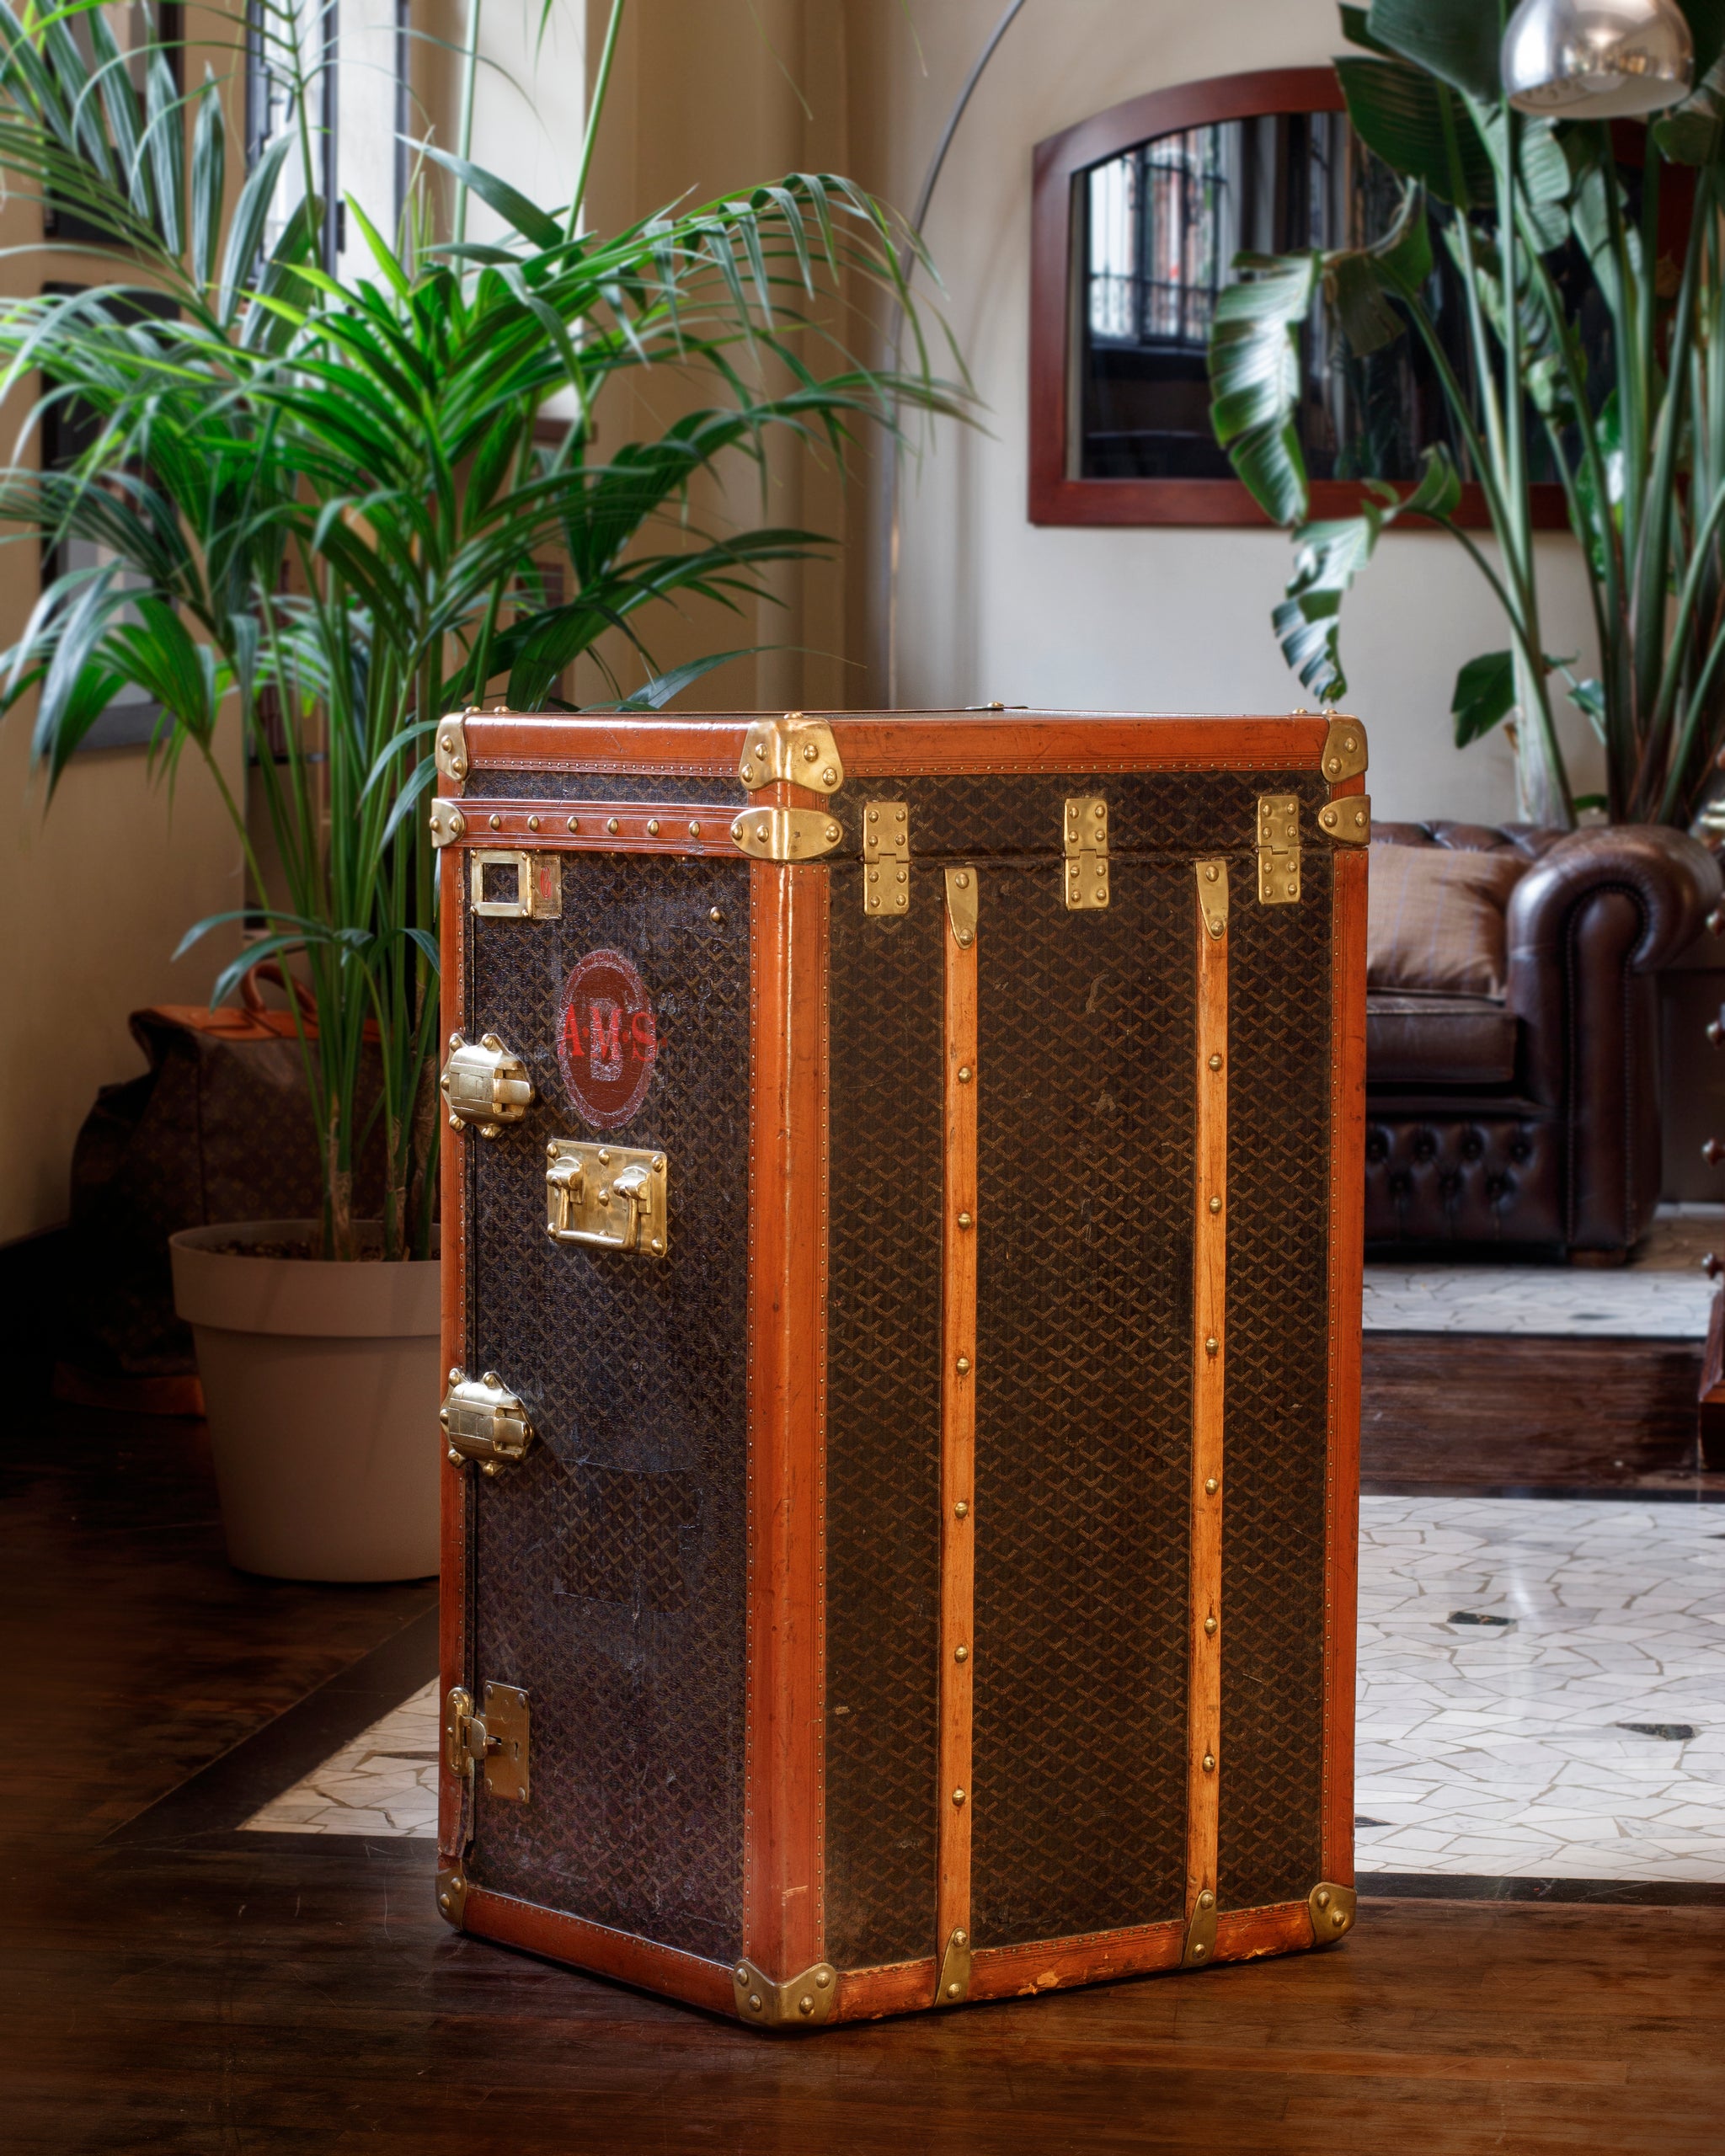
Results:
x,y
484,1085
483,1420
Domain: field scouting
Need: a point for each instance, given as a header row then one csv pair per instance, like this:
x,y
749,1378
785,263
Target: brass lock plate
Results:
x,y
484,1085
611,1197
511,885
1278,849
483,1420
886,857
1086,842
499,1735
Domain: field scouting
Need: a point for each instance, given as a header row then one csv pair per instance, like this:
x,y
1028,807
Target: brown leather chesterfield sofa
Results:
x,y
1512,1080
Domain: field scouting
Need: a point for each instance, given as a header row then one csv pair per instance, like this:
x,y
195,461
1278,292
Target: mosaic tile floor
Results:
x,y
1662,1294
1504,1644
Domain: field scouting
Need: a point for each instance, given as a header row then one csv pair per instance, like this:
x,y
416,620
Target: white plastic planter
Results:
x,y
321,1384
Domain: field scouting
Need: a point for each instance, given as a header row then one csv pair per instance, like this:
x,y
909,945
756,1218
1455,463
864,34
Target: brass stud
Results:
x,y
573,825
961,1510
497,823
1210,1763
532,823
961,1654
611,823
715,916
809,752
694,830
748,774
754,2003
1211,873
805,2005
1199,1952
1216,1205
957,1796
965,1220
1210,1626
1206,1900
1338,1918
737,829
964,1074
1210,1485
1212,1346
1322,1897
455,1456
961,1939
742,1974
833,833
822,1980
652,827
952,1990
1215,1062
964,1364
829,776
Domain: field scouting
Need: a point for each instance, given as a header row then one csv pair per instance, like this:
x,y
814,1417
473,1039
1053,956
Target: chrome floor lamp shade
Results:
x,y
1611,57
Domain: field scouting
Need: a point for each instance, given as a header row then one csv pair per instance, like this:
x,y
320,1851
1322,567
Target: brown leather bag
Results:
x,y
219,1127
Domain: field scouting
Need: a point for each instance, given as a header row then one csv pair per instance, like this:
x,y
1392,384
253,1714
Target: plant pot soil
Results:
x,y
321,1384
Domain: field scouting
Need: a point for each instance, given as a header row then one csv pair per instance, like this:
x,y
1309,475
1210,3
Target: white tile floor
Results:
x,y
1495,1749
1661,1294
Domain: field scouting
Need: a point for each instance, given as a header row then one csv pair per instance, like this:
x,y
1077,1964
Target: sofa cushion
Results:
x,y
1435,919
1437,1040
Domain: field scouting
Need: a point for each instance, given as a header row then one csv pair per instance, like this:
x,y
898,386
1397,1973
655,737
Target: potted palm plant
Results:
x,y
322,511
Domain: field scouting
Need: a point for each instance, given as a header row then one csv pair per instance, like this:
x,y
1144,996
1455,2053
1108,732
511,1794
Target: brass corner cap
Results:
x,y
1347,822
450,749
802,2002
1345,752
451,1894
1333,1909
795,751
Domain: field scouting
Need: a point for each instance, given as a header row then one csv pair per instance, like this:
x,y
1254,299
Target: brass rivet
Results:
x,y
748,773
822,1981
961,1654
610,824
961,1509
1210,874
1338,1918
1206,1900
805,2005
1199,1952
1210,1763
714,914
455,1455
573,825
1216,1205
694,830
1212,1346
829,776
957,1796
964,1364
951,1991
754,2003
743,1974
963,1220
446,1902
962,880
964,1074
1210,1626
1323,1897
652,827
832,832
1210,1485
737,829
1215,1062
532,823
901,815
809,752
874,815
497,823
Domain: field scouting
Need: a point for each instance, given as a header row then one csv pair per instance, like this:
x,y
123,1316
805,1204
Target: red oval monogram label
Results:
x,y
606,1039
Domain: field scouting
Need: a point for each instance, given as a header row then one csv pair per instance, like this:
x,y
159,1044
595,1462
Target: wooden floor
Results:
x,y
170,1988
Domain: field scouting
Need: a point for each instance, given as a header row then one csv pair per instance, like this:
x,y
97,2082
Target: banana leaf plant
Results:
x,y
1546,226
319,508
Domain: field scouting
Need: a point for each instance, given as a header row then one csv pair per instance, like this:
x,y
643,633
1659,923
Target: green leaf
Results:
x,y
1415,126
1357,30
1456,40
1254,372
1485,695
531,221
1354,286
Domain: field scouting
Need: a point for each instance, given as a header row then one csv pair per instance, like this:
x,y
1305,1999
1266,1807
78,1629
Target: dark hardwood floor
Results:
x,y
169,1987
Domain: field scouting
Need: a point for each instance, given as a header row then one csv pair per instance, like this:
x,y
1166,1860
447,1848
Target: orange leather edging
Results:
x,y
1209,1287
1283,1928
896,1988
783,1828
1346,1251
453,1584
955,1798
1051,1964
592,1946
682,828
876,744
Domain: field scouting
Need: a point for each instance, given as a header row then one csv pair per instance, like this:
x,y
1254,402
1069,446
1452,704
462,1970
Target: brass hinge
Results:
x,y
1212,895
886,857
786,834
1278,849
498,1737
448,823
1087,844
802,2002
451,1895
1200,1933
484,1085
1332,1911
952,1985
451,750
538,893
1346,821
801,751
1344,750
612,1197
961,905
484,1422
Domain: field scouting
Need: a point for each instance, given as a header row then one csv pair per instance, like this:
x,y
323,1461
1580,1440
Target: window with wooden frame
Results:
x,y
1138,214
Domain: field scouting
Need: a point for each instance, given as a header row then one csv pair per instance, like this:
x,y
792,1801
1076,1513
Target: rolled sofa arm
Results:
x,y
1589,925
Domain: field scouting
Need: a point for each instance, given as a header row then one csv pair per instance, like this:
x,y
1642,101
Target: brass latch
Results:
x,y
1087,843
886,857
451,750
498,1738
1278,849
483,1420
802,2002
801,751
1346,821
485,1085
786,834
612,1196
539,885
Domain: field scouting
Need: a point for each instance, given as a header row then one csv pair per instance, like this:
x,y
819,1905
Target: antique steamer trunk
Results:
x,y
902,1217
